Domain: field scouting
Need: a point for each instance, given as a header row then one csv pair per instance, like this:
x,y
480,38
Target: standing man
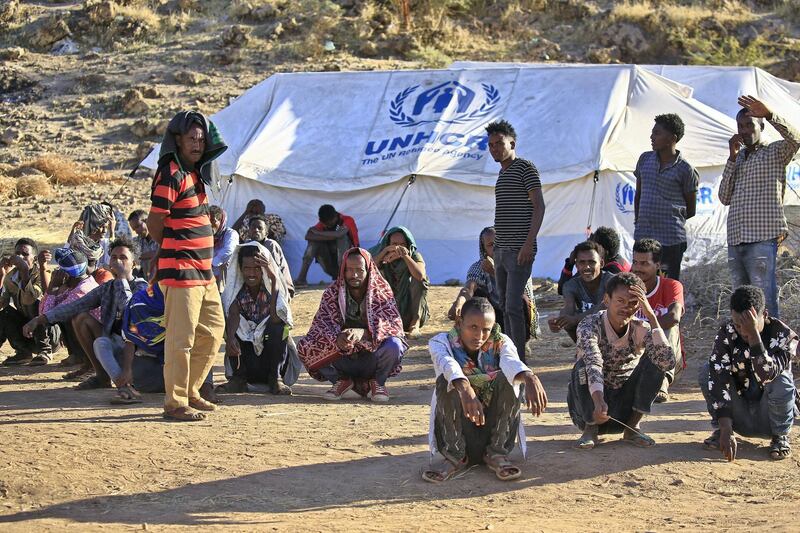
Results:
x,y
519,210
753,184
666,193
180,223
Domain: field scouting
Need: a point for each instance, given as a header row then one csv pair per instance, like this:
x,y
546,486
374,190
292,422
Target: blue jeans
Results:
x,y
511,280
770,416
375,365
754,264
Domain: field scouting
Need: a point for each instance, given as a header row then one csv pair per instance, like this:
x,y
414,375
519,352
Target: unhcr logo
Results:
x,y
451,102
625,195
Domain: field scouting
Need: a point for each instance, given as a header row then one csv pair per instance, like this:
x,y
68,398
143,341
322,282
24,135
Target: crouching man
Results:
x,y
747,382
621,365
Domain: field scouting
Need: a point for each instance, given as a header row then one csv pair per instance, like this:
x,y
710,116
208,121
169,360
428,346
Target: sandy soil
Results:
x,y
73,462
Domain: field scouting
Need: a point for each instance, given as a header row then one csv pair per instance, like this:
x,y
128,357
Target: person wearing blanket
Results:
x,y
477,409
256,302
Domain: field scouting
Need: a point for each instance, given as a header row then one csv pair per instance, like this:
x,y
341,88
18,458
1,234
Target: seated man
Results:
x,y
256,303
477,408
148,248
275,227
583,294
666,298
356,338
481,282
111,297
747,382
24,280
327,241
259,232
225,242
613,261
621,364
403,267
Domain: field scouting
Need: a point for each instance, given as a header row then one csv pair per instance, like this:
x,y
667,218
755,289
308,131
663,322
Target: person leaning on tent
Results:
x,y
477,408
180,223
747,382
519,211
334,234
753,184
401,264
666,193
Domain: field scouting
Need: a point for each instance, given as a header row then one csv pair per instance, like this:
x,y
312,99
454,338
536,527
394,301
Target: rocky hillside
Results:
x,y
94,81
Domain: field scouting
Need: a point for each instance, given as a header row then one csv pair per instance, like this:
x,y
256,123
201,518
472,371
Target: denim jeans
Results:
x,y
754,264
511,279
770,416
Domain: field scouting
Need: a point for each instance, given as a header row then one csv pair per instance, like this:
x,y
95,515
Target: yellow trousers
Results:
x,y
194,326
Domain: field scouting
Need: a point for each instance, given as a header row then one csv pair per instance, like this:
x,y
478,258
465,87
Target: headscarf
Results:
x,y
207,167
94,216
318,349
72,262
482,370
384,242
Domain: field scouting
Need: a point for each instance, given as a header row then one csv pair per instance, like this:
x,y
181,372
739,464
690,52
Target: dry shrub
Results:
x,y
8,187
63,171
141,14
34,186
681,15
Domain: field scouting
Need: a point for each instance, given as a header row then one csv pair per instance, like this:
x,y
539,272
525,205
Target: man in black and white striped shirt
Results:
x,y
519,209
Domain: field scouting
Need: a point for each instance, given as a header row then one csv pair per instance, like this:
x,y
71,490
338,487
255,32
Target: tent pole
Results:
x,y
591,206
124,183
411,179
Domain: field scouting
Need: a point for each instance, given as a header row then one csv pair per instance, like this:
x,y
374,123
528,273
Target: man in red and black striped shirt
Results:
x,y
179,222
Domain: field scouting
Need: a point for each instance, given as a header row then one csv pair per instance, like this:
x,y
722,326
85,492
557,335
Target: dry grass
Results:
x,y
680,14
63,171
142,14
8,187
38,186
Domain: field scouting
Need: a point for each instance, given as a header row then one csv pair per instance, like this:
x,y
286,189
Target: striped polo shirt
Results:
x,y
187,245
513,209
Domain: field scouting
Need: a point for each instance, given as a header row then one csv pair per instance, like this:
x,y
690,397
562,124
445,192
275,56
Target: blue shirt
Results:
x,y
662,203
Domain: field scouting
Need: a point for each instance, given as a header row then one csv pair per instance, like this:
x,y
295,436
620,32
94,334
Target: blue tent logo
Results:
x,y
625,195
451,102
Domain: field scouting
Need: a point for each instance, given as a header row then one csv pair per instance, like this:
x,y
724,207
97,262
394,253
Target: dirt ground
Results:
x,y
72,462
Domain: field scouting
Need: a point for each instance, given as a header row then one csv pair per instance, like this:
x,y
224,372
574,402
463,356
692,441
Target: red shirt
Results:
x,y
348,222
667,292
187,245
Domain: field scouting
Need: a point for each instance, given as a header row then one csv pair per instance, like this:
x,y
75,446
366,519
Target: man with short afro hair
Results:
x,y
666,193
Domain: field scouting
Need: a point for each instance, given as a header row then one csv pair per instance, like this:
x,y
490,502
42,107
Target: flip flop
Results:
x,y
712,442
447,471
92,383
585,443
504,469
640,440
184,414
779,448
201,404
39,360
126,395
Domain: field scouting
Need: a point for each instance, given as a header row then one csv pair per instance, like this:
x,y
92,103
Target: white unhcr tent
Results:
x,y
352,139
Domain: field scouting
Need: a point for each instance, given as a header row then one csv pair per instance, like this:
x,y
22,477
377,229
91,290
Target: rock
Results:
x,y
44,33
144,128
151,92
187,77
747,34
573,9
227,56
598,54
14,53
9,11
64,47
403,44
265,12
368,49
133,103
628,38
10,136
788,69
235,37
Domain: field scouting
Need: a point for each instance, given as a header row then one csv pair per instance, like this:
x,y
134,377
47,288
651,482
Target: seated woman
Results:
x,y
402,266
481,282
256,303
476,409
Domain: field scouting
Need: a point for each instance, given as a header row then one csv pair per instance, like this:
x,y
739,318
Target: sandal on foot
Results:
x,y
639,440
91,383
126,395
780,448
661,397
279,389
201,404
184,414
76,374
585,443
712,442
502,467
39,360
446,471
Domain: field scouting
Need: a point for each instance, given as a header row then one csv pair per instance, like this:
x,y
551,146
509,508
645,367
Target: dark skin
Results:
x,y
590,267
252,269
750,125
329,234
254,207
24,261
139,225
622,306
191,146
355,277
647,269
398,250
487,265
503,150
664,143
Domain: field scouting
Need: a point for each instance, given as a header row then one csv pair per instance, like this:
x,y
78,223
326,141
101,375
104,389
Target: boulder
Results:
x,y
14,53
43,34
10,136
187,77
628,38
235,37
133,103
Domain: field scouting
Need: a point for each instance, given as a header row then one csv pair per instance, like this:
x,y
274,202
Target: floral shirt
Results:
x,y
737,367
610,359
254,309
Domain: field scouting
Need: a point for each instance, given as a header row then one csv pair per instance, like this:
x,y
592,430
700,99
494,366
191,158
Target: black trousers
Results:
x,y
636,394
264,367
671,259
44,341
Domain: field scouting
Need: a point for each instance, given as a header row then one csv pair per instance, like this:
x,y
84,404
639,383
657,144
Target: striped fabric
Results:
x,y
187,246
513,208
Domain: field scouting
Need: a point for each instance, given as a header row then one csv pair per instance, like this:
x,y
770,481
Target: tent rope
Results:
x,y
411,179
591,206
